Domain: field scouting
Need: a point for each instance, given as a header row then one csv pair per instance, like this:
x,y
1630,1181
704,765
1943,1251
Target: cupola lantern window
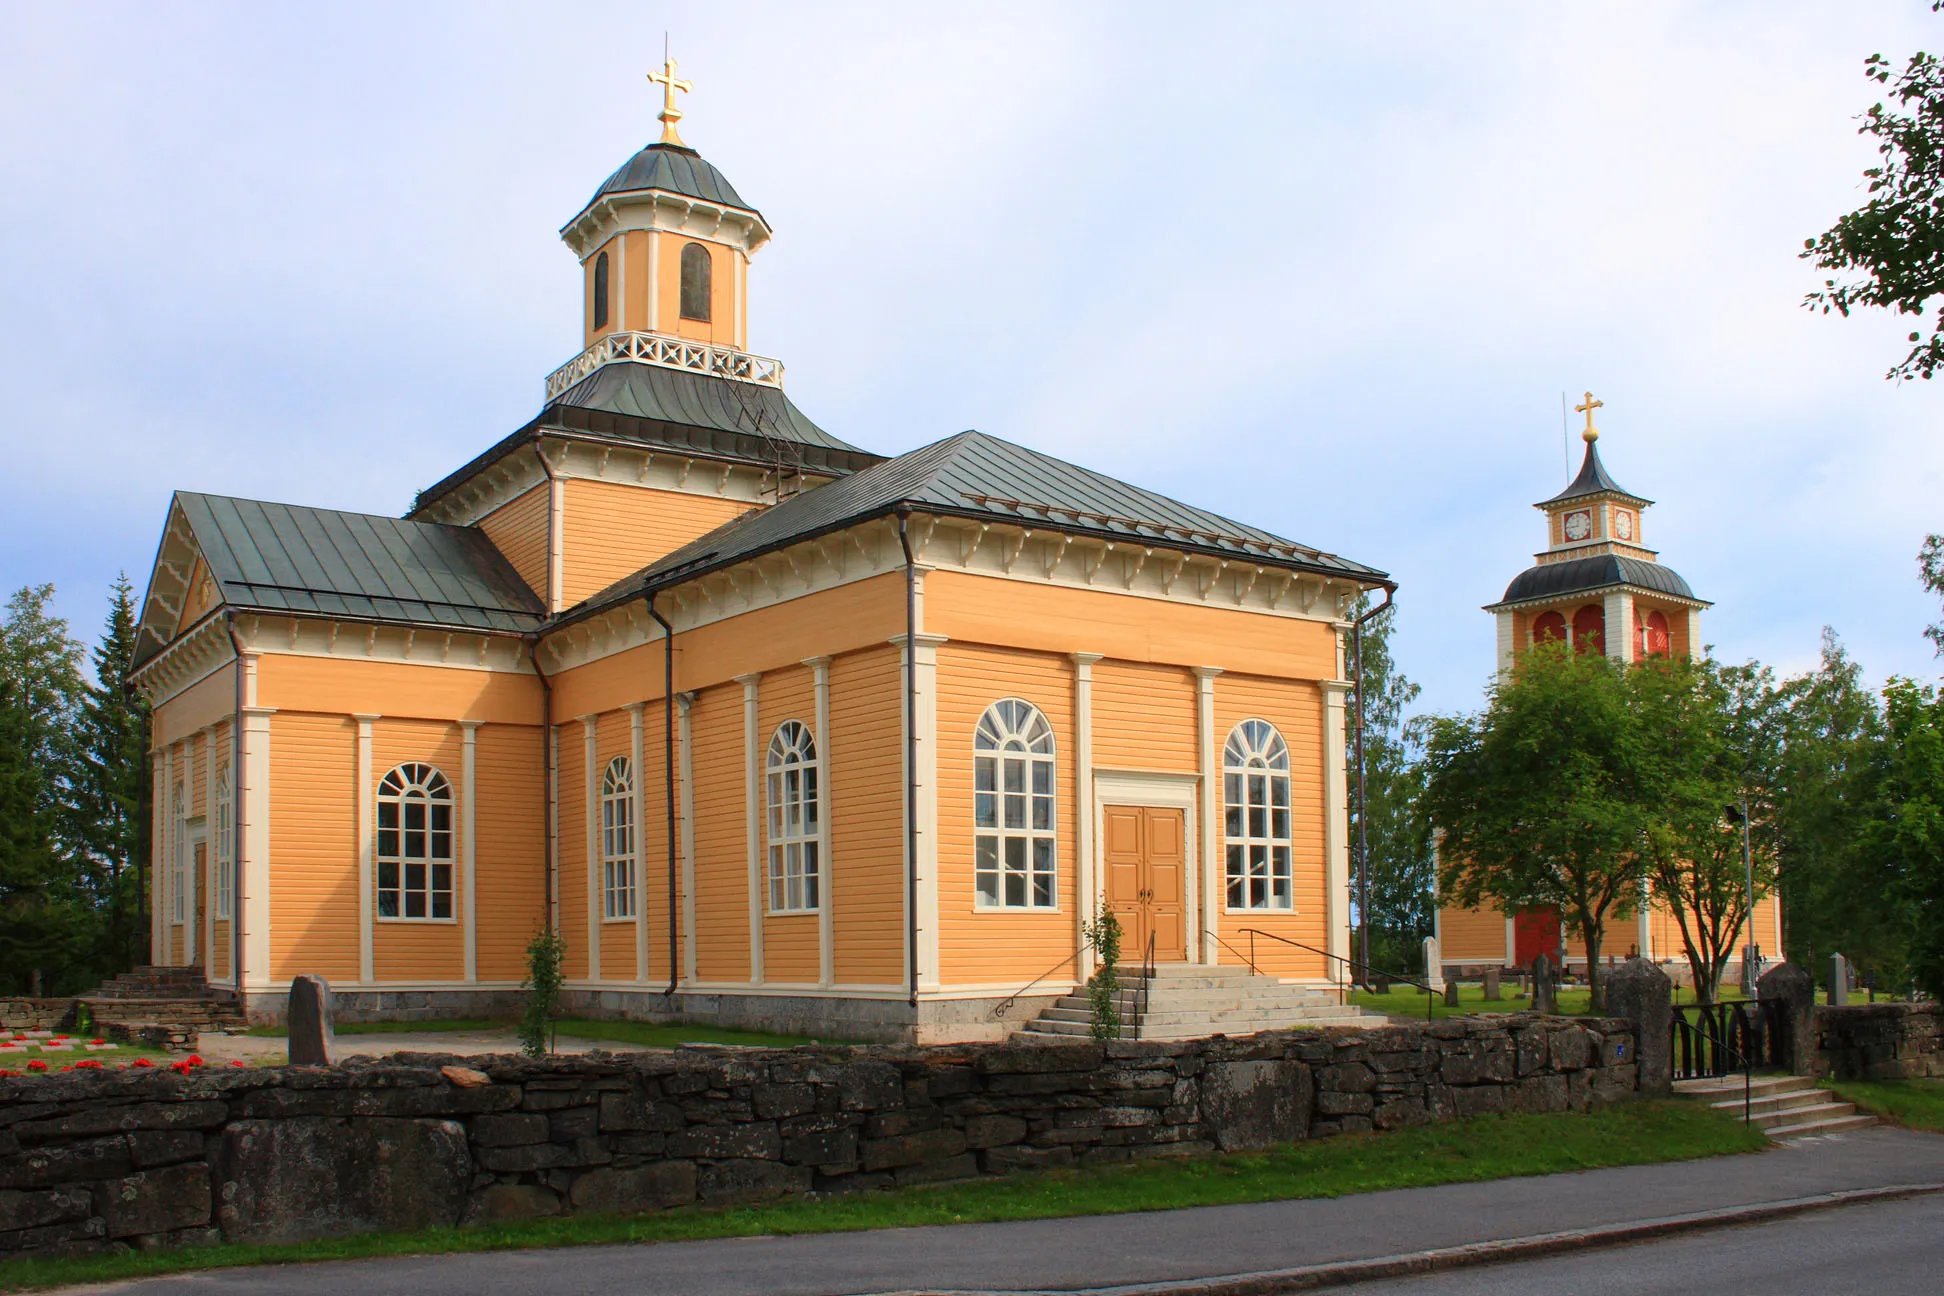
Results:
x,y
695,282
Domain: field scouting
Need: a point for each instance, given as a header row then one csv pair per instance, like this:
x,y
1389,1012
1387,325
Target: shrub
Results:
x,y
545,954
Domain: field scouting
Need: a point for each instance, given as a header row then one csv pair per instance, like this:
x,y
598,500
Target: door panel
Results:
x,y
1144,851
1536,932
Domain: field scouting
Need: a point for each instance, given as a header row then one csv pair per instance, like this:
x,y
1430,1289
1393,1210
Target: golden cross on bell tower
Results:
x,y
670,83
1591,434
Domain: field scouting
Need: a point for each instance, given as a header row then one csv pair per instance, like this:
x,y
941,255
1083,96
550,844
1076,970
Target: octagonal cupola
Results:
x,y
664,246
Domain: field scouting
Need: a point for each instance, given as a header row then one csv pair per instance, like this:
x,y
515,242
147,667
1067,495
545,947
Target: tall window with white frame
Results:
x,y
1255,792
618,840
415,844
795,819
225,843
1014,824
179,857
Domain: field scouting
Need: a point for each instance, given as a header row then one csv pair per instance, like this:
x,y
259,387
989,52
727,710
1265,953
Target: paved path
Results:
x,y
1074,1254
273,1050
1893,1249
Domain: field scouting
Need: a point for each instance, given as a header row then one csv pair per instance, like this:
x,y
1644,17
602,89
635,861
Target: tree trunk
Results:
x,y
1595,984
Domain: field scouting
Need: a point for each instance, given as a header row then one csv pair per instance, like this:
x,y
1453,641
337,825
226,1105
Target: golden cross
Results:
x,y
670,114
1592,433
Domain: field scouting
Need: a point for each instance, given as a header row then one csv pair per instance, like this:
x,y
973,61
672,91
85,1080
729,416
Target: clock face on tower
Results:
x,y
1579,525
1623,524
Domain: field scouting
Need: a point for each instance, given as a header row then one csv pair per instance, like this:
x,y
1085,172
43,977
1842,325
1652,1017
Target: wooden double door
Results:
x,y
1145,850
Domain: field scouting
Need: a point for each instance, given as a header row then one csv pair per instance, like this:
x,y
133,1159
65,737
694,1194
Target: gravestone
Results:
x,y
1451,994
1644,994
1839,980
1380,983
1545,998
1492,984
1792,986
1433,965
312,1041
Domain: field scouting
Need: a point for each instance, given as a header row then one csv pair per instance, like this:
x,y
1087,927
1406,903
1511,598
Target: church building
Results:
x,y
773,731
1597,587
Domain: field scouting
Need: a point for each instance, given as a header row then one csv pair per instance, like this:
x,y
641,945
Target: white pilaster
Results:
x,y
1086,867
826,800
1694,638
1336,829
253,811
1505,640
620,302
209,851
469,841
684,703
923,663
1620,627
553,823
158,859
591,824
1211,818
636,749
366,799
556,542
654,281
753,827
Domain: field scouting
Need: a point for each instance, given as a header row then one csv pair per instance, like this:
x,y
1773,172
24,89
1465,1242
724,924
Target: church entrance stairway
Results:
x,y
1193,1000
1781,1106
166,1007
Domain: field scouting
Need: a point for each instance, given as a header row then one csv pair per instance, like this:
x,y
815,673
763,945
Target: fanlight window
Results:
x,y
618,839
1255,793
601,291
696,271
225,843
415,844
1012,807
795,819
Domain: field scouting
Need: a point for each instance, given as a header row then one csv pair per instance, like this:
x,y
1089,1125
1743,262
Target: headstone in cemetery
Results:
x,y
1491,984
1839,980
1545,998
1380,983
1433,965
1451,994
312,1040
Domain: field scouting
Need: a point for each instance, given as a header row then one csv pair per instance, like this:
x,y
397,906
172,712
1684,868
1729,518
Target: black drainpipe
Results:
x,y
236,826
668,769
546,775
1363,827
911,752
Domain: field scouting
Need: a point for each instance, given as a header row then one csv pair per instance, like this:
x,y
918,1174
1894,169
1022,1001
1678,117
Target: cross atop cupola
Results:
x,y
1595,514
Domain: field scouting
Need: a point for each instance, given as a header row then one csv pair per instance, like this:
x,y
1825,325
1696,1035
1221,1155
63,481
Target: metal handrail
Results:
x,y
1147,980
1722,1045
1004,1006
1430,1004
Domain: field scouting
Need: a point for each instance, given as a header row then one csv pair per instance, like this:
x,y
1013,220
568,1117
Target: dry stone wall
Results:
x,y
1885,1041
93,1161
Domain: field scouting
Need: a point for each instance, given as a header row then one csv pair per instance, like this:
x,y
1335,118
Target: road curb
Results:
x,y
1340,1273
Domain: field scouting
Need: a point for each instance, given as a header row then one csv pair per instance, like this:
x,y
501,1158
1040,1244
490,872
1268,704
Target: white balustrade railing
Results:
x,y
670,353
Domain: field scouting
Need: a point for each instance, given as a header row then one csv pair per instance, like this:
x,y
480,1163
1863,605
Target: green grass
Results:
x,y
1574,1001
1915,1104
1488,1147
651,1034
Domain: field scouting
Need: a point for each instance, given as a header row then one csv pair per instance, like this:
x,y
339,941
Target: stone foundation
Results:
x,y
94,1161
1882,1041
271,1008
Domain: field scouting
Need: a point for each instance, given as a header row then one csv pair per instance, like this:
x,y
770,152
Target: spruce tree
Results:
x,y
37,917
113,793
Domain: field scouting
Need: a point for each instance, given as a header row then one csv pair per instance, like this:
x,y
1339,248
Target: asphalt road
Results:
x,y
1893,1249
1076,1254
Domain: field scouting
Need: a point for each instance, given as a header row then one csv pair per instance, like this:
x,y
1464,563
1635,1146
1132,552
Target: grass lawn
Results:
x,y
1574,1001
652,1034
119,1056
1915,1104
1488,1147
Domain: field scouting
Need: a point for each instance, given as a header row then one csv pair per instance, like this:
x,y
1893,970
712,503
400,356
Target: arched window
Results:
x,y
795,818
1255,795
1012,807
1589,629
696,271
415,844
618,840
1549,627
1654,641
225,843
179,858
601,291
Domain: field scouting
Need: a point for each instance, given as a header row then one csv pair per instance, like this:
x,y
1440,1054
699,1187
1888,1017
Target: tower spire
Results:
x,y
670,83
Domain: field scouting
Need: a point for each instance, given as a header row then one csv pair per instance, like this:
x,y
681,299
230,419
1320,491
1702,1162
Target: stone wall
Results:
x,y
1883,1041
36,1014
94,1160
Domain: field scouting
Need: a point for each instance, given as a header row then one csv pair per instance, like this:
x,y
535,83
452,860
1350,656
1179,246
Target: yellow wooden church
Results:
x,y
1597,587
773,731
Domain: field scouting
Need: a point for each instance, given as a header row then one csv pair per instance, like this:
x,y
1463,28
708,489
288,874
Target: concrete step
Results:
x,y
1808,1114
1731,1086
1809,1129
1768,1104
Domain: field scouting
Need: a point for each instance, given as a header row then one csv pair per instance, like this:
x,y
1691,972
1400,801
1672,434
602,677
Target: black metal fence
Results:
x,y
1725,1038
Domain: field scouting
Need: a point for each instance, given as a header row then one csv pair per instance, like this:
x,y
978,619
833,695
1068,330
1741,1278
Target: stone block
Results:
x,y
1351,1077
864,1085
26,1210
1572,1049
122,1118
312,1041
943,1170
155,1201
1258,1104
912,1149
830,1150
1006,1160
1541,1093
42,1167
994,1131
1533,1052
775,1101
1331,1102
508,1129
721,1182
1037,1059
1399,1113
1478,1100
640,1188
320,1176
627,1111
76,1237
952,1082
1792,985
506,1203
752,1142
573,1123
1642,993
165,1147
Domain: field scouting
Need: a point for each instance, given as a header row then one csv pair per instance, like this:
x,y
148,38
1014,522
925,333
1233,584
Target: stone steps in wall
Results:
x,y
1783,1107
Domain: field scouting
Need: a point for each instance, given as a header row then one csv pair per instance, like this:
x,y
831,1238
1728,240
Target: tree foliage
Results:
x,y
1930,567
1400,855
1902,821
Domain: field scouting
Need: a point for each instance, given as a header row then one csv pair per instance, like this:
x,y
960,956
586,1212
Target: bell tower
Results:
x,y
664,243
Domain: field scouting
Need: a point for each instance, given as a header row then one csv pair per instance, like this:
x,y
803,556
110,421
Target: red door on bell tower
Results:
x,y
1536,932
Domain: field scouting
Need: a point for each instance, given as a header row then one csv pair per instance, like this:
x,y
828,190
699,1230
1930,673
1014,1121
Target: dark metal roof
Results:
x,y
1593,480
1584,575
673,168
975,475
284,558
692,413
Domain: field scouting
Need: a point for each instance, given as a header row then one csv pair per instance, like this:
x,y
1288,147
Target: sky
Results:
x,y
1323,268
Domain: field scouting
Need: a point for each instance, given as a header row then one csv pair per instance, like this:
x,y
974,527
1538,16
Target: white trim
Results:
x,y
1618,614
209,848
637,752
487,491
1087,866
591,825
1270,841
1207,912
924,780
347,639
654,281
684,704
752,825
620,286
553,823
469,840
769,775
658,210
364,799
556,543
665,351
253,808
995,726
195,832
158,857
826,867
1152,789
186,662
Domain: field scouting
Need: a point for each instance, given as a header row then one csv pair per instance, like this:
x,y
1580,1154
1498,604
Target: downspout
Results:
x,y
546,776
668,770
911,753
1363,824
236,824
